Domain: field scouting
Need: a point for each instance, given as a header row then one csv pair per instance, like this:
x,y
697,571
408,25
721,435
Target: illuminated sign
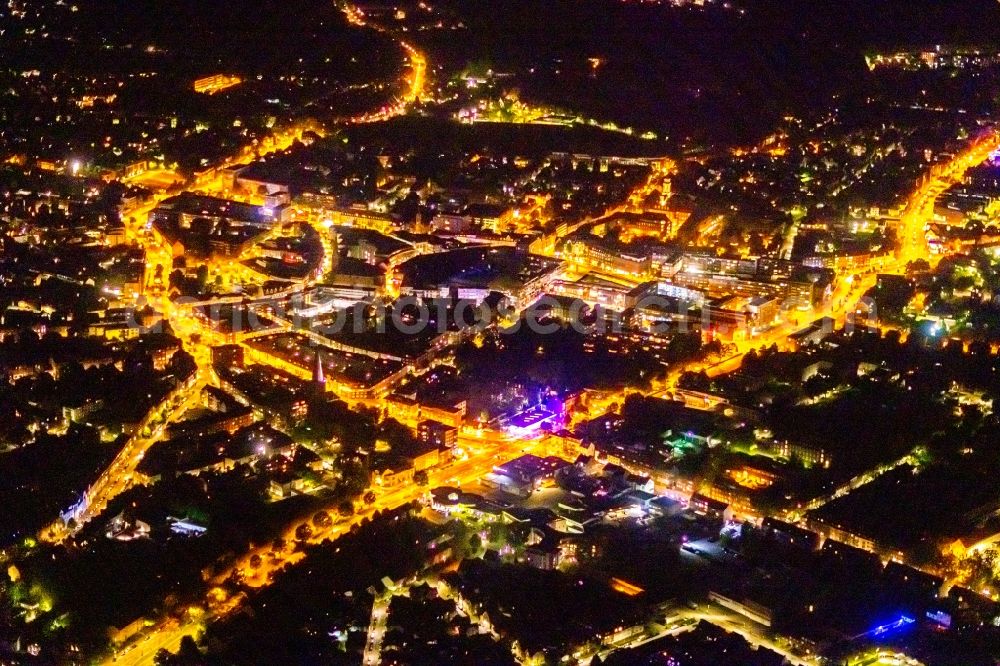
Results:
x,y
902,623
940,618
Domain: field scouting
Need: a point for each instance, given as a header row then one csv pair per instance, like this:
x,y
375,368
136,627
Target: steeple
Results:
x,y
319,379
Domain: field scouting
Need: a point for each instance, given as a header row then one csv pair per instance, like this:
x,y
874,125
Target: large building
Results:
x,y
182,210
435,433
596,254
209,85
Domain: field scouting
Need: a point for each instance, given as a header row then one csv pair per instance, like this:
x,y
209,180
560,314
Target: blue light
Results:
x,y
903,622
